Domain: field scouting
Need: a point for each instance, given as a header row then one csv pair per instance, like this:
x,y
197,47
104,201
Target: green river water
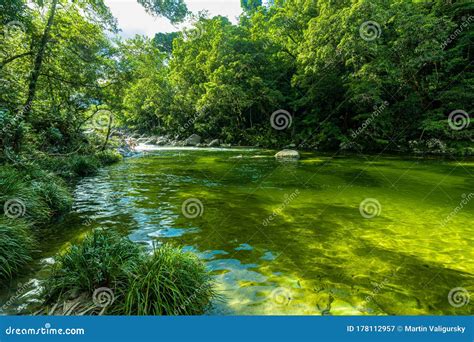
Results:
x,y
289,237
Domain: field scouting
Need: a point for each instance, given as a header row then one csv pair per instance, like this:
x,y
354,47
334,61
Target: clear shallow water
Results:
x,y
289,238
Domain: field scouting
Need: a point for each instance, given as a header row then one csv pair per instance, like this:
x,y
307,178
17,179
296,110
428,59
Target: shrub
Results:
x,y
16,246
168,282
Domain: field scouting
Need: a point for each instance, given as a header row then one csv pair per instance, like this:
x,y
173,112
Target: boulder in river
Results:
x,y
162,141
193,140
288,155
214,143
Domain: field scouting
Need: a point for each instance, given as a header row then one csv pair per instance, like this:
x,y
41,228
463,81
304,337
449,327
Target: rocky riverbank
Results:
x,y
128,143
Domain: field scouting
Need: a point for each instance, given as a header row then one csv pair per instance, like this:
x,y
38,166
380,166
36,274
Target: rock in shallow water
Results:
x,y
288,154
193,140
214,143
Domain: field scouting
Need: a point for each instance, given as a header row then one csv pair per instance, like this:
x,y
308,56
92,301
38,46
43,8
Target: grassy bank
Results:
x,y
108,274
33,193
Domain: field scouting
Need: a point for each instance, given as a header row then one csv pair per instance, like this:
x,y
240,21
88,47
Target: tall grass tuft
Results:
x,y
103,259
16,245
168,282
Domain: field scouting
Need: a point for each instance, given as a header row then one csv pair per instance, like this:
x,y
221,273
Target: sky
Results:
x,y
133,19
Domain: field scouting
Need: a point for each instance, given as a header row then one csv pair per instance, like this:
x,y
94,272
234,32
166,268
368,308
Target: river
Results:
x,y
328,235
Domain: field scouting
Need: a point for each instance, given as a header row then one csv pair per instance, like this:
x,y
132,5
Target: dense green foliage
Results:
x,y
169,282
58,69
354,74
310,58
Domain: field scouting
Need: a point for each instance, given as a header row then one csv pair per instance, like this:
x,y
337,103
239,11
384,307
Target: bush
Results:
x,y
168,282
16,246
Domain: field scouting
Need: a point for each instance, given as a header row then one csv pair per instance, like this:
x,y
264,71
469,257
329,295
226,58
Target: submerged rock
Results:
x,y
288,154
193,140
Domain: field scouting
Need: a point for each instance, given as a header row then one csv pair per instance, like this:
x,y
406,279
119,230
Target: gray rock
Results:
x,y
162,141
288,155
193,140
214,143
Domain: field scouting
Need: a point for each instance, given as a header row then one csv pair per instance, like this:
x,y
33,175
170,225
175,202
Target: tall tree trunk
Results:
x,y
109,130
39,59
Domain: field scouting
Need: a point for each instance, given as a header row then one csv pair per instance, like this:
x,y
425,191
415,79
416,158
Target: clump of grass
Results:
x,y
16,246
103,259
83,166
41,195
109,157
168,282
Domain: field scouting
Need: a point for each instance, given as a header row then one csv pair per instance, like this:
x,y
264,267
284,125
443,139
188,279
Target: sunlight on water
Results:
x,y
323,236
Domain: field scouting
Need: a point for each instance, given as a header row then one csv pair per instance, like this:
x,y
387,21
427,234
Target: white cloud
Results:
x,y
133,19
